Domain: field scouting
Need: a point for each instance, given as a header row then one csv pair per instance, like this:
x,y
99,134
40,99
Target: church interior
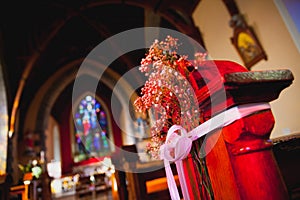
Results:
x,y
56,90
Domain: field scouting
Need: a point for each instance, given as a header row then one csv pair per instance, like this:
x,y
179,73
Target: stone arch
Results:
x,y
40,109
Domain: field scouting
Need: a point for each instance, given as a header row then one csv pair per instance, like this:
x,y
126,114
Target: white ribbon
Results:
x,y
177,147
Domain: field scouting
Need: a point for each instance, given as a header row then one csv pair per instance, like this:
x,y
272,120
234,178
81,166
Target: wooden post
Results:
x,y
239,159
241,165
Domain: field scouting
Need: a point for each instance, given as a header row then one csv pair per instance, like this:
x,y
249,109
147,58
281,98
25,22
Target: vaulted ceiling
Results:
x,y
40,37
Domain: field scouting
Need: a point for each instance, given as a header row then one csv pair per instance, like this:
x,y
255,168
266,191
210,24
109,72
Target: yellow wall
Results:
x,y
212,17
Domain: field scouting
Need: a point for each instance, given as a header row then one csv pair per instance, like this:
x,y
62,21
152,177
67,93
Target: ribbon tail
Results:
x,y
183,185
171,181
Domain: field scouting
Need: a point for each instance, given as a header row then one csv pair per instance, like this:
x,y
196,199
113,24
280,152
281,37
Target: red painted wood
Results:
x,y
220,169
244,158
241,164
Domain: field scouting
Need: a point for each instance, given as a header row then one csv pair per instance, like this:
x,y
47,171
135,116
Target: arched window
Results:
x,y
91,130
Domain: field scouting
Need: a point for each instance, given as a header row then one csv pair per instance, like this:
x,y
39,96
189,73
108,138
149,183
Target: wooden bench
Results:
x,y
21,190
137,180
87,187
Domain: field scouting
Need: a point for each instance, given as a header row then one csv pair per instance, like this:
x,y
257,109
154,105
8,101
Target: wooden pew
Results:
x,y
152,184
21,190
286,151
239,157
86,187
137,180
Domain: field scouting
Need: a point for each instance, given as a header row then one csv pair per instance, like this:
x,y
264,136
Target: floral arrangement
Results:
x,y
32,167
168,93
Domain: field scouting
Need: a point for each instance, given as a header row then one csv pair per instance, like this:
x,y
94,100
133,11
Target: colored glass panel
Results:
x,y
91,130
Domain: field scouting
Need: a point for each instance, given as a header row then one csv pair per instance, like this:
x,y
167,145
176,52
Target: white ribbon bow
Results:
x,y
177,147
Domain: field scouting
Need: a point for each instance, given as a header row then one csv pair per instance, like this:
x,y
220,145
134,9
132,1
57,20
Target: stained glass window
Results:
x,y
91,130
